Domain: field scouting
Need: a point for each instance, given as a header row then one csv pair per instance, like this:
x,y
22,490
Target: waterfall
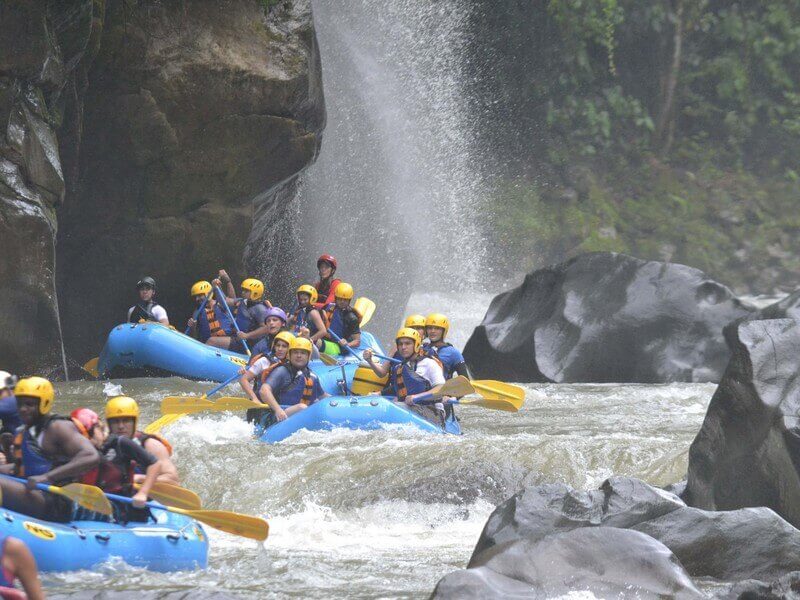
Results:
x,y
394,192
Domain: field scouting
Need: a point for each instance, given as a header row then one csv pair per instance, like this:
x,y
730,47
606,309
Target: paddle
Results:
x,y
88,496
189,404
329,360
162,422
366,308
458,386
169,419
254,528
230,316
174,495
348,348
500,391
91,366
197,312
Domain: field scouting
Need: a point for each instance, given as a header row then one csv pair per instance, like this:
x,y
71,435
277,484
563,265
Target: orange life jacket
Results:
x,y
213,323
142,437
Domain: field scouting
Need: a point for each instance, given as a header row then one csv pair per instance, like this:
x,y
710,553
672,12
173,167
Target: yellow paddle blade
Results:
x,y
88,496
458,386
254,528
497,390
366,308
491,404
162,422
328,359
91,366
192,404
174,495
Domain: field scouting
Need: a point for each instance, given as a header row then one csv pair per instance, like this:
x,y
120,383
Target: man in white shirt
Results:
x,y
146,309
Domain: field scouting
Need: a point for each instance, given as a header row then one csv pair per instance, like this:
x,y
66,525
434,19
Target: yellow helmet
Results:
x,y
414,321
122,407
344,291
438,320
412,334
201,287
300,343
37,387
284,336
255,286
310,290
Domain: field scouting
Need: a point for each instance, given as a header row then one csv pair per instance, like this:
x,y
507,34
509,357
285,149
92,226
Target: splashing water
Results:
x,y
387,513
393,189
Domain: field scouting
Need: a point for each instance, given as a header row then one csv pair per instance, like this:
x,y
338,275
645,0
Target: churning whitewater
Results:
x,y
386,514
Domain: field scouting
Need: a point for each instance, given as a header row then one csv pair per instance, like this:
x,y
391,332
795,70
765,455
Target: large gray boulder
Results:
x,y
542,510
749,543
605,561
747,450
607,317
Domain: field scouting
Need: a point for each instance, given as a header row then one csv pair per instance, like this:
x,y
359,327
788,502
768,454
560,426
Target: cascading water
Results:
x,y
394,191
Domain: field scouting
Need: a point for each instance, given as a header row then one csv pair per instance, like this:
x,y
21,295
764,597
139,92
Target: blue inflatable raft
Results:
x,y
352,412
152,349
171,543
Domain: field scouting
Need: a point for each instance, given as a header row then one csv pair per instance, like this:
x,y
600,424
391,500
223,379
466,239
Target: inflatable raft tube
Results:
x,y
352,412
171,543
152,349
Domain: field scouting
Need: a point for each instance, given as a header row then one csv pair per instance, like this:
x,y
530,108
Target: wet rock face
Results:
x,y
550,539
541,510
749,543
747,452
606,317
606,561
193,111
43,49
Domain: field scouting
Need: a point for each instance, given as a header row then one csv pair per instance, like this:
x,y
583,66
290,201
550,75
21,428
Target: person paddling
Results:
x,y
122,417
119,458
307,320
146,308
415,375
212,326
327,284
437,325
249,310
343,320
262,365
273,324
17,562
48,449
292,385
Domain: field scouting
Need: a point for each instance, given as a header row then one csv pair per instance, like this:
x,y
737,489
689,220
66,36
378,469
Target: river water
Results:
x,y
386,514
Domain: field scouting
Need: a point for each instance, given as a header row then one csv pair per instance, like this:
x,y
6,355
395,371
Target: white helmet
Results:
x,y
7,380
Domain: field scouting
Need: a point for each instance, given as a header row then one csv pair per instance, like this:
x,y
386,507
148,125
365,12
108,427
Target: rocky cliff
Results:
x,y
152,137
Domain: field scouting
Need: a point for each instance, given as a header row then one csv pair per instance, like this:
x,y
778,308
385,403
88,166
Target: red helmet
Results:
x,y
328,258
86,417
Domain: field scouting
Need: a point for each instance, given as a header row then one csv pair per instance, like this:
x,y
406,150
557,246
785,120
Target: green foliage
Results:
x,y
731,225
738,82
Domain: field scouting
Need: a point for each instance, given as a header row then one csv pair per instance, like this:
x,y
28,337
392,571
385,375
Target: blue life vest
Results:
x,y
263,346
406,382
31,459
221,325
336,322
302,320
300,389
246,314
6,578
9,414
449,356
